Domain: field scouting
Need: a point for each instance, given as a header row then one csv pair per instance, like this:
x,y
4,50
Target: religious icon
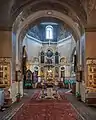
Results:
x,y
94,69
6,68
1,67
90,77
90,69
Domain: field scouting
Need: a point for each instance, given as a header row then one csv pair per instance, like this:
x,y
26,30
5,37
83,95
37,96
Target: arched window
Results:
x,y
49,32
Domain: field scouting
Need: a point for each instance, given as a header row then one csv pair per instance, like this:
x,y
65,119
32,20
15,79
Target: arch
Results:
x,y
23,26
61,6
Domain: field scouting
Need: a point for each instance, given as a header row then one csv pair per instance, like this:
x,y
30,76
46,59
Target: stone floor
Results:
x,y
83,111
86,112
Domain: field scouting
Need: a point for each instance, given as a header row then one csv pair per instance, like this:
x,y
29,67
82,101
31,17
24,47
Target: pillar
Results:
x,y
77,67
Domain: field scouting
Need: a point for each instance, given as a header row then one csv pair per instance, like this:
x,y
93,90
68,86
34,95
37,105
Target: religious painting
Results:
x,y
5,67
42,57
63,60
56,72
94,69
35,76
1,68
91,66
28,75
62,72
49,53
5,72
90,77
56,58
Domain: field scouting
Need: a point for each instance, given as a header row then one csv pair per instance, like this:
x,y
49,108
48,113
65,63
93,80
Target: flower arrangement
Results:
x,y
78,95
18,97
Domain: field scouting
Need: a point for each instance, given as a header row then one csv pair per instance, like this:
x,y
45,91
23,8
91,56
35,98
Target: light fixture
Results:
x,y
49,12
49,71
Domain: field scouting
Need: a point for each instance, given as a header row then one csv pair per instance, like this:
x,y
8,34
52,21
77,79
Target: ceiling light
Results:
x,y
49,12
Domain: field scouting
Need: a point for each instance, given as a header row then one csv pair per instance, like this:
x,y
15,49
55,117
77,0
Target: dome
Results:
x,y
45,31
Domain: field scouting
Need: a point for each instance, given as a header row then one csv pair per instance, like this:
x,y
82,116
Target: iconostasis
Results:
x,y
91,73
5,72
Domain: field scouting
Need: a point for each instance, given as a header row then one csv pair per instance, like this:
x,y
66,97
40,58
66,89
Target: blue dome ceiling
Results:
x,y
39,32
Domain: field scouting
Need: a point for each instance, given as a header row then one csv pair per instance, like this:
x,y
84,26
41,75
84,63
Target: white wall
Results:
x,y
65,48
32,48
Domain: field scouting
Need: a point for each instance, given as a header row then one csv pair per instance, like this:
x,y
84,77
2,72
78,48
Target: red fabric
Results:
x,y
46,110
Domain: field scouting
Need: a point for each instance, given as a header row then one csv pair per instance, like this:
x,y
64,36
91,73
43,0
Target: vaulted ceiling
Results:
x,y
12,8
79,10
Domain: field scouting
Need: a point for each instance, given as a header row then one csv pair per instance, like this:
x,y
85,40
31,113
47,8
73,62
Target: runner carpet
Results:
x,y
46,109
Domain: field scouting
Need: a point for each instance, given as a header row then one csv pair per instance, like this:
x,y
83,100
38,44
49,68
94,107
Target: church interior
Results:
x,y
47,52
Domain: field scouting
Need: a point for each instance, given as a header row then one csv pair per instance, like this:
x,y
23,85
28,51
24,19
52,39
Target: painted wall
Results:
x,y
32,48
90,44
5,44
65,48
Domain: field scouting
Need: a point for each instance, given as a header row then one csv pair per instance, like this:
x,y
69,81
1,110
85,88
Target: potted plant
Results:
x,y
78,96
18,97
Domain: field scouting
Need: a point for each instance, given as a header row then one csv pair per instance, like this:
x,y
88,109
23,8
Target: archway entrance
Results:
x,y
22,25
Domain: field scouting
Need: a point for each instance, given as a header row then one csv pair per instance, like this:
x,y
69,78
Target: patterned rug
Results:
x,y
46,109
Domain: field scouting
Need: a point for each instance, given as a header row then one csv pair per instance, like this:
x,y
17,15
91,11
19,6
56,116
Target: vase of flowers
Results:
x,y
18,97
78,96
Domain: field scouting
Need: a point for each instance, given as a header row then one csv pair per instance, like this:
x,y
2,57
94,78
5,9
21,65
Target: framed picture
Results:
x,y
90,77
1,67
94,76
90,69
5,77
94,69
5,67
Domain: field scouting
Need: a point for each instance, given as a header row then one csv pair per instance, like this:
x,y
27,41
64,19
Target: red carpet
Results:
x,y
46,110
